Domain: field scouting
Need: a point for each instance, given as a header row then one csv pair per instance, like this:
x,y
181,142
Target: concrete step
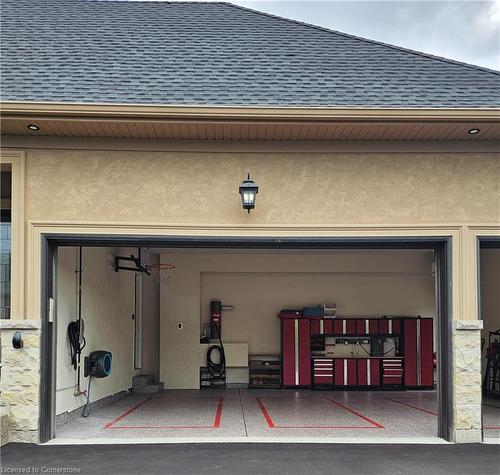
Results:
x,y
142,379
148,388
144,383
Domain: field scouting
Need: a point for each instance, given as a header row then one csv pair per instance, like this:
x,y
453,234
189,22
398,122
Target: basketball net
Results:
x,y
161,272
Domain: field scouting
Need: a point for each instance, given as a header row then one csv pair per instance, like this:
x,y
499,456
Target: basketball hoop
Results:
x,y
162,272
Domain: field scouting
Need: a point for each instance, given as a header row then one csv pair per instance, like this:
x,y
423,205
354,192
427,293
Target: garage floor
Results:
x,y
491,419
243,413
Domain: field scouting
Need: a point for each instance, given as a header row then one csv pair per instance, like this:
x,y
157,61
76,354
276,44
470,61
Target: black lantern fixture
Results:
x,y
248,192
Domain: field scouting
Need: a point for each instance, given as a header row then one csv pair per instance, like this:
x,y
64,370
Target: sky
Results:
x,y
464,30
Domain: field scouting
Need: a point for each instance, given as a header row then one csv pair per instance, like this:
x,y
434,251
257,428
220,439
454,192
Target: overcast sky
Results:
x,y
465,30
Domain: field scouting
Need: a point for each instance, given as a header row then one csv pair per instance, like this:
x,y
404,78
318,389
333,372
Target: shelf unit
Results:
x,y
264,371
209,381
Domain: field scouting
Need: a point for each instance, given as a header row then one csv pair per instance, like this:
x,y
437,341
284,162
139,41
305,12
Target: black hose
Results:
x,y
74,332
80,322
217,370
87,409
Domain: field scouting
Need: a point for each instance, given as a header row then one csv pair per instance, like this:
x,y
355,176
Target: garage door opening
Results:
x,y
489,264
340,341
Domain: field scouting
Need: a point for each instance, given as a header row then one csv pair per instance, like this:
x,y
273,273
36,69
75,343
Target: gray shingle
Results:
x,y
216,54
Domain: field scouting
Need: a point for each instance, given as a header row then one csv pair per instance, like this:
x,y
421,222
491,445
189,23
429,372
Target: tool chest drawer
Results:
x,y
392,371
322,369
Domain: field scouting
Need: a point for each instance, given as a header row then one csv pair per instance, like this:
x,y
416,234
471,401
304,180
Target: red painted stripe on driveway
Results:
x,y
160,427
361,416
268,418
272,425
126,413
215,425
412,406
218,413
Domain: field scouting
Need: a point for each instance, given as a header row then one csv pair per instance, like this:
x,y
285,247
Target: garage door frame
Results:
x,y
442,245
483,242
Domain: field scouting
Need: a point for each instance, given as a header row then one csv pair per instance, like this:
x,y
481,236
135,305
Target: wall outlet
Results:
x,y
180,325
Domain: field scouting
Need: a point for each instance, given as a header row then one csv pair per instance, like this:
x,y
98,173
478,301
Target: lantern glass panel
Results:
x,y
248,197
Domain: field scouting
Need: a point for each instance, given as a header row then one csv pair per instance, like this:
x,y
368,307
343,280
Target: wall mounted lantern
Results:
x,y
17,340
248,192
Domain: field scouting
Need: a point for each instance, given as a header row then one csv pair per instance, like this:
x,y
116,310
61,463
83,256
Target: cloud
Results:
x,y
467,31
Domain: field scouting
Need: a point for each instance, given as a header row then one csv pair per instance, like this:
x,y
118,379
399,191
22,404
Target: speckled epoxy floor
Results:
x,y
240,413
491,418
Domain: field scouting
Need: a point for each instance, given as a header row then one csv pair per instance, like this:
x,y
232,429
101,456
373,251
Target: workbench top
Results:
x,y
358,357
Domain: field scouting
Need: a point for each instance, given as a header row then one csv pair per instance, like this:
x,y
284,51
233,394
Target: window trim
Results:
x,y
16,159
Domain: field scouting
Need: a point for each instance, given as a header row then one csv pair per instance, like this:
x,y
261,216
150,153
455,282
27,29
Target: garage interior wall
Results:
x,y
259,284
107,308
490,293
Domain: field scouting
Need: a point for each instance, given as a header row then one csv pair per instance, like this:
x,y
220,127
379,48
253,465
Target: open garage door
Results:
x,y
489,263
326,339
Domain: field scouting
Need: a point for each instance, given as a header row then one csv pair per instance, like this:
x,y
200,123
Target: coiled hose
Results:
x,y
75,329
217,370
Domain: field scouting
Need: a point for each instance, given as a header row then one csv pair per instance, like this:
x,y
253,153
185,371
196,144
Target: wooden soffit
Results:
x,y
247,123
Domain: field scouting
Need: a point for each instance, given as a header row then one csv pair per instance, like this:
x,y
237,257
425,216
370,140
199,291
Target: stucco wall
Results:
x,y
302,188
107,308
322,188
258,284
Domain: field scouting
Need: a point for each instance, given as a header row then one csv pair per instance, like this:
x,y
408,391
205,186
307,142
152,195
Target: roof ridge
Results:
x,y
360,38
205,2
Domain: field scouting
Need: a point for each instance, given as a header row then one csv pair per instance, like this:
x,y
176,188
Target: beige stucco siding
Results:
x,y
107,308
305,188
432,190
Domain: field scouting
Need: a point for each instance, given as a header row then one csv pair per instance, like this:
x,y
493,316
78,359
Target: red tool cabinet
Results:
x,y
412,369
346,372
356,326
418,349
296,351
369,372
342,373
392,372
323,372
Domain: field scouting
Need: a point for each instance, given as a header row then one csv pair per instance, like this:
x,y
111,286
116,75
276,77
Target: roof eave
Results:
x,y
259,113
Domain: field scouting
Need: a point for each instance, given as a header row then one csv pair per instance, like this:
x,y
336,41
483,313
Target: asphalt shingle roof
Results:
x,y
85,51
